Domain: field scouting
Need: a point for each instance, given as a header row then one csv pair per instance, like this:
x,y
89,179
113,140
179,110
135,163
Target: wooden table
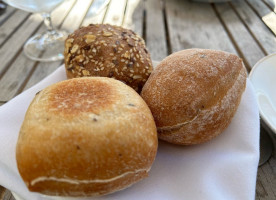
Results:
x,y
240,27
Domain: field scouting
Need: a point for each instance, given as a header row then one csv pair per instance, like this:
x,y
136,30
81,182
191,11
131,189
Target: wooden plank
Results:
x,y
266,179
41,71
271,4
134,16
59,14
44,69
2,191
155,30
259,7
8,12
115,12
270,20
265,13
15,77
91,18
11,24
248,47
255,25
194,25
262,191
265,187
8,196
9,50
76,15
13,82
5,194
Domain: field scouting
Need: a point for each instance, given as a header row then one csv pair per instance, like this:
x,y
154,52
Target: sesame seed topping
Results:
x,y
107,34
74,48
137,77
89,38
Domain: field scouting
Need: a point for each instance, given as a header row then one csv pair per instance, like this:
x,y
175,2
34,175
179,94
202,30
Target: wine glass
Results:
x,y
49,45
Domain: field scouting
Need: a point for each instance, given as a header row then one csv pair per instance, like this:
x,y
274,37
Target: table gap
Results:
x,y
9,11
67,13
105,13
248,29
86,12
240,53
258,14
254,10
167,33
268,5
24,83
144,27
114,18
124,14
14,30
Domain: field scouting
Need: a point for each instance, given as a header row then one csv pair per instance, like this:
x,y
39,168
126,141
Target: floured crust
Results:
x,y
108,51
193,94
86,137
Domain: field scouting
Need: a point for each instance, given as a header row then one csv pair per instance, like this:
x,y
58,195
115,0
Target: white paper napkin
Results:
x,y
224,168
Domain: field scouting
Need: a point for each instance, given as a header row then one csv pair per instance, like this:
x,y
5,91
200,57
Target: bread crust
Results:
x,y
193,94
86,137
108,51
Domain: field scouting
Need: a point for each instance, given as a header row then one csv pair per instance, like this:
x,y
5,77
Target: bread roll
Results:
x,y
193,94
86,137
108,51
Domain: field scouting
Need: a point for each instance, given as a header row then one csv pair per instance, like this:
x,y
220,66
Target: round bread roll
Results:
x,y
108,51
193,94
86,137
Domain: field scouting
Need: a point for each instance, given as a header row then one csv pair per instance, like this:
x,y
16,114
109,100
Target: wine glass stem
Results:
x,y
48,21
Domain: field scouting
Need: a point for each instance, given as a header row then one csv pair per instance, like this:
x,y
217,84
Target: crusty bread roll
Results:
x,y
193,94
108,51
86,137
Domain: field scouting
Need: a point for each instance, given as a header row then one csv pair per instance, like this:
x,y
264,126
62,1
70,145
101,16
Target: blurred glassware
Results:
x,y
49,45
3,7
263,79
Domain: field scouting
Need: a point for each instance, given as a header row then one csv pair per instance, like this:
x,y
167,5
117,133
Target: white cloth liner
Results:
x,y
224,168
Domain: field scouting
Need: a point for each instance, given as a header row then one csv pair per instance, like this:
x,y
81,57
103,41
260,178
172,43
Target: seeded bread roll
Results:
x,y
193,94
108,51
86,137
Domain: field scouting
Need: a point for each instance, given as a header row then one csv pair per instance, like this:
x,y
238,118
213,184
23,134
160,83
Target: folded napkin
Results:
x,y
223,168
